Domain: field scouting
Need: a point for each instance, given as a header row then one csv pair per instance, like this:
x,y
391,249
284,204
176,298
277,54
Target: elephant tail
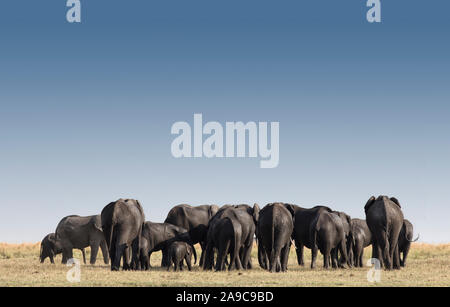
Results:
x,y
236,240
272,248
195,254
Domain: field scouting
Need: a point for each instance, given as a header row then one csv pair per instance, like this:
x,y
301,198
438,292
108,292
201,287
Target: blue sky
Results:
x,y
86,109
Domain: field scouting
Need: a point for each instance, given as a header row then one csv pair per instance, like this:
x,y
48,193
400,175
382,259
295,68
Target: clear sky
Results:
x,y
86,109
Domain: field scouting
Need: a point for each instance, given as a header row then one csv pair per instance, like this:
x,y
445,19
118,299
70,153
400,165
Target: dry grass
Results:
x,y
429,265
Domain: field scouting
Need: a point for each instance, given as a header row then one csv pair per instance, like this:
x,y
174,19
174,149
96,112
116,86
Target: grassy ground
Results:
x,y
429,265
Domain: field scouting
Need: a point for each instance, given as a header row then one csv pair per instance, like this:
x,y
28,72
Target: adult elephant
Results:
x,y
195,220
275,227
404,241
122,223
224,235
384,218
158,237
80,232
303,220
361,237
235,224
328,235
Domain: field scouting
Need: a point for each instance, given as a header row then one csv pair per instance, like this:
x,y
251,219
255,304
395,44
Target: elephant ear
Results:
x,y
369,203
256,210
395,201
291,209
212,211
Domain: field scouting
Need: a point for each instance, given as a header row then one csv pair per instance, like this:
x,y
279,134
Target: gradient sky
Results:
x,y
86,109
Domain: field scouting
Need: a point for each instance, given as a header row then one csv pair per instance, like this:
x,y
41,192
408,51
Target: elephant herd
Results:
x,y
226,235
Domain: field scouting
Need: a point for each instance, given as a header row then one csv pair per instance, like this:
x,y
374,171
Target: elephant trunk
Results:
x,y
41,254
413,241
195,254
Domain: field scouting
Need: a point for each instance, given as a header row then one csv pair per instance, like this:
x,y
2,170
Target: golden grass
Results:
x,y
428,265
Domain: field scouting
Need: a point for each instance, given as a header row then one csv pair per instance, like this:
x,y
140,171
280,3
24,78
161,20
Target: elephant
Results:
x,y
404,241
346,222
384,218
231,231
122,223
80,232
275,227
195,220
49,248
224,234
303,220
327,234
179,252
157,237
361,237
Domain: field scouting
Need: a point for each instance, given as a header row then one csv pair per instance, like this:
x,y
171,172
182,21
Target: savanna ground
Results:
x,y
428,265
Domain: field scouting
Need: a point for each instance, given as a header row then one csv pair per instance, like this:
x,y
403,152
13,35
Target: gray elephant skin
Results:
x,y
231,231
195,220
384,218
404,241
49,248
274,231
361,237
336,255
122,223
328,234
178,252
158,237
77,232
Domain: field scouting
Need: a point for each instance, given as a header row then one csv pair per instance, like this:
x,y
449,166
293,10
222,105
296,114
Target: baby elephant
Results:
x,y
179,251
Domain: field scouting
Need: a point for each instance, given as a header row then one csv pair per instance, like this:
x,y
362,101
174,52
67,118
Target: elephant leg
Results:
x,y
94,252
247,261
326,259
208,263
84,255
52,260
262,256
222,254
396,259
343,250
334,258
181,265
274,258
188,262
299,251
118,252
165,257
285,257
105,253
385,252
143,259
126,258
203,254
314,251
176,264
405,255
67,254
360,258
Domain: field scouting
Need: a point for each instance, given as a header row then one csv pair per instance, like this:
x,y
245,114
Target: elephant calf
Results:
x,y
178,252
361,237
404,241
